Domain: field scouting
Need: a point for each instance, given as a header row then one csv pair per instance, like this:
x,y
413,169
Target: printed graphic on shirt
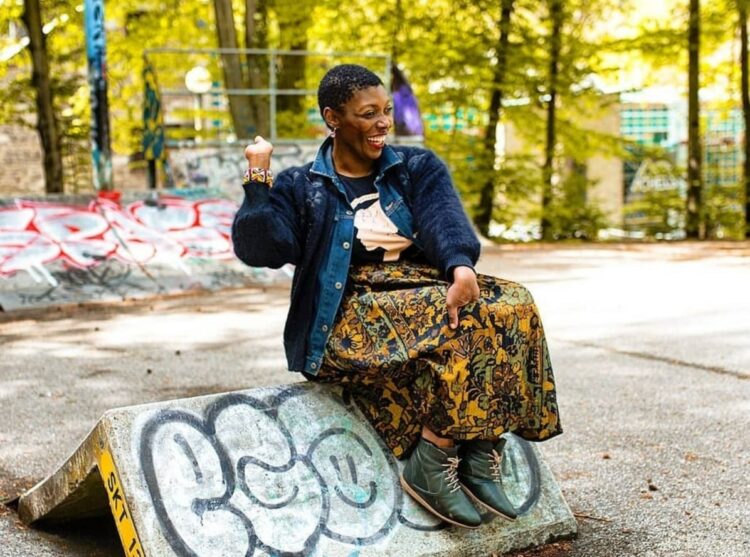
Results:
x,y
376,238
375,230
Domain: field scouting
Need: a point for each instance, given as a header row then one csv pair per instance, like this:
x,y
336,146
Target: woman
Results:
x,y
385,301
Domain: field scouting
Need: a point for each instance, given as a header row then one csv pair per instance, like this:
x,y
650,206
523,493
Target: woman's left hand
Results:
x,y
462,291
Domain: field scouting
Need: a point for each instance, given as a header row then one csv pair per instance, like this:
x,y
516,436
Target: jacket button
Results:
x,y
313,365
349,213
339,286
346,245
324,328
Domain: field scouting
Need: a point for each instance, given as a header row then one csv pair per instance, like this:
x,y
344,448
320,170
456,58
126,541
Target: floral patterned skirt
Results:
x,y
392,348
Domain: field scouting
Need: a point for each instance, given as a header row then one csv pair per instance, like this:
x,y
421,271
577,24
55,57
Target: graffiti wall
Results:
x,y
57,252
76,250
291,473
222,168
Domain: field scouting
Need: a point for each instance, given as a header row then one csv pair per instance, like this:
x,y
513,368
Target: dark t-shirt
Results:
x,y
376,238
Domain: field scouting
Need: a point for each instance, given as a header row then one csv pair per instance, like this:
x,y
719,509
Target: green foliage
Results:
x,y
656,212
448,52
659,210
577,221
462,154
67,60
571,215
292,124
518,189
16,100
723,212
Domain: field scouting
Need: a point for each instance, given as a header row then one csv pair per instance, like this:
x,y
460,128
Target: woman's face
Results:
x,y
363,123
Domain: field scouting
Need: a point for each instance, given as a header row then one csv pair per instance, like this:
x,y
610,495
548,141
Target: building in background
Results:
x,y
654,122
723,148
604,171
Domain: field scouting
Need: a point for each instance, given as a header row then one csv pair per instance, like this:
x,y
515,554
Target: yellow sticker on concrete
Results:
x,y
120,511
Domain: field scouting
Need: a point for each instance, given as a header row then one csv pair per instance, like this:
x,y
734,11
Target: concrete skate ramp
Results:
x,y
292,470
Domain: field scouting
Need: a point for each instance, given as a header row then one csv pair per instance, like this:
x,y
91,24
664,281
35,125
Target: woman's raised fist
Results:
x,y
258,154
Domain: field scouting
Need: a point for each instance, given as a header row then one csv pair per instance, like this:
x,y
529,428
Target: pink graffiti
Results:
x,y
35,234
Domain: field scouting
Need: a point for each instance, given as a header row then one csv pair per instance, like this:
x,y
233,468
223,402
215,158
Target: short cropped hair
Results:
x,y
341,82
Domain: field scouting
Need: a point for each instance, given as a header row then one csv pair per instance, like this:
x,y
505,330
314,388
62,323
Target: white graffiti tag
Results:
x,y
281,475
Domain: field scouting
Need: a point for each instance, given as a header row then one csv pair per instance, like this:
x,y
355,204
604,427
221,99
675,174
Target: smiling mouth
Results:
x,y
377,141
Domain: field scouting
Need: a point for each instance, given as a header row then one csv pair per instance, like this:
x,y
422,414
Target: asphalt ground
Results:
x,y
651,350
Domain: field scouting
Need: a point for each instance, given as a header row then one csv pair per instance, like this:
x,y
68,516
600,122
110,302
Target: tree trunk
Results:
x,y
694,227
742,5
555,44
242,118
483,216
398,24
292,76
47,125
292,68
256,36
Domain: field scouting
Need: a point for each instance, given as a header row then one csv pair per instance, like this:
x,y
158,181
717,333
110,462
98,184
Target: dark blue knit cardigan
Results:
x,y
295,222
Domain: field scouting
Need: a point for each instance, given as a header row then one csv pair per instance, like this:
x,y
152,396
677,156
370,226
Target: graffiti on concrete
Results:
x,y
34,234
223,168
111,277
206,168
281,475
52,253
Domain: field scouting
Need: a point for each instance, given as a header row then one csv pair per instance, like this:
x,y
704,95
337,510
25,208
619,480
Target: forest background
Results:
x,y
546,68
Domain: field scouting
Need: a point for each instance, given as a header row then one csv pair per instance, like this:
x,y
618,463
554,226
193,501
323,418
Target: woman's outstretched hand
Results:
x,y
258,154
462,291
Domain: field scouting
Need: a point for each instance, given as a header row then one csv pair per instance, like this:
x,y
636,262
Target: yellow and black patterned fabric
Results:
x,y
392,348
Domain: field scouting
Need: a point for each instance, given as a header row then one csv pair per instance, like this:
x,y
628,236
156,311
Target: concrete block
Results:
x,y
293,470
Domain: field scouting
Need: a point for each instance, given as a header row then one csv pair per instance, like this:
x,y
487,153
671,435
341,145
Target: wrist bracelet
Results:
x,y
258,175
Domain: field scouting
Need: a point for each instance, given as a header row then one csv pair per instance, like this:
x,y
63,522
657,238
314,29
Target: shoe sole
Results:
x,y
484,505
426,505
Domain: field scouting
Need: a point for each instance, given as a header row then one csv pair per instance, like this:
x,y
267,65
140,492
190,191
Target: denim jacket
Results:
x,y
305,219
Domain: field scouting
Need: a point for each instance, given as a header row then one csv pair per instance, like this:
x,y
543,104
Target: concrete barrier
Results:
x,y
292,470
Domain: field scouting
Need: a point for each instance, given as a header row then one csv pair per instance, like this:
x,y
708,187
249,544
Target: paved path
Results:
x,y
651,352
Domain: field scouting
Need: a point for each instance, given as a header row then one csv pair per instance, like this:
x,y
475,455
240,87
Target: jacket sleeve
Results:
x,y
266,231
443,227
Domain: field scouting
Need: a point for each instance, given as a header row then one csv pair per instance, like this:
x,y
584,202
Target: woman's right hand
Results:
x,y
463,290
258,154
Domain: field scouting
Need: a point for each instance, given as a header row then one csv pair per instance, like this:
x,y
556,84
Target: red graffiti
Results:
x,y
34,234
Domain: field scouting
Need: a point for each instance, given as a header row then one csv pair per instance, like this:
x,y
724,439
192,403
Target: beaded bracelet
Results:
x,y
258,175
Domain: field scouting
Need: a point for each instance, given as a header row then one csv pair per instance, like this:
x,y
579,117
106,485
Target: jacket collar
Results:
x,y
323,164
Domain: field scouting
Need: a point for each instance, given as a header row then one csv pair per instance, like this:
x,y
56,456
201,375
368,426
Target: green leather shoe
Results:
x,y
431,477
480,475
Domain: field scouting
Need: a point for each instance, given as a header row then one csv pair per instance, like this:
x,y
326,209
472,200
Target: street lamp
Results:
x,y
198,81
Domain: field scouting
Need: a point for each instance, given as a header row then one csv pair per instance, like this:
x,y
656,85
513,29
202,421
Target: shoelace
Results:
x,y
496,462
451,473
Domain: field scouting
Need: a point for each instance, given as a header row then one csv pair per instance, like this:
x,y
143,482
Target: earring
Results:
x,y
333,132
